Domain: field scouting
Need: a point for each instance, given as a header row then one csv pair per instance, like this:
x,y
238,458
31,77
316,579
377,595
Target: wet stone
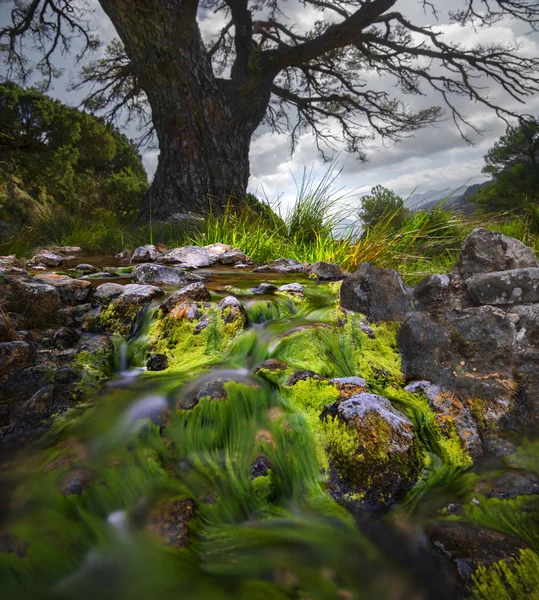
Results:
x,y
325,271
302,376
169,521
144,254
349,386
77,481
196,292
154,274
106,292
157,362
263,289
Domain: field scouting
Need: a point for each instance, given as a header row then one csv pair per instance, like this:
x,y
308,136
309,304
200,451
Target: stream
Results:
x,y
210,480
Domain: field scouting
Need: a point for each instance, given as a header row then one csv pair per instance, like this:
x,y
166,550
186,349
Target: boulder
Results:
x,y
432,292
379,294
157,362
86,268
47,259
283,265
484,251
122,312
155,274
425,346
193,257
106,292
349,386
263,289
196,292
145,254
384,463
72,291
218,249
34,301
325,271
516,286
234,257
232,311
466,547
292,290
14,354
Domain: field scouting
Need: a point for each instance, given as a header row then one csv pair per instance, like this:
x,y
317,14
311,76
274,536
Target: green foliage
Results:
x,y
54,156
382,205
514,163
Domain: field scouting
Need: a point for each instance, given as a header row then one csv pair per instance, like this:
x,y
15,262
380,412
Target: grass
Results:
x,y
427,241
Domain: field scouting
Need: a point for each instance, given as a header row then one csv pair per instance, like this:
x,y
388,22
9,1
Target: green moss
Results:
x,y
119,317
189,345
96,366
263,488
380,359
516,579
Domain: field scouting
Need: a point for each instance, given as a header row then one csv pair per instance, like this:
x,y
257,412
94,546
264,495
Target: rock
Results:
x,y
189,256
241,266
35,301
160,275
145,254
169,521
325,271
123,255
451,412
65,337
302,376
425,346
292,290
432,292
272,365
77,481
72,291
349,386
466,547
263,289
379,294
235,257
64,250
122,312
8,542
86,268
47,259
283,265
485,251
517,286
218,249
106,292
6,329
232,311
196,292
14,354
385,462
508,485
157,362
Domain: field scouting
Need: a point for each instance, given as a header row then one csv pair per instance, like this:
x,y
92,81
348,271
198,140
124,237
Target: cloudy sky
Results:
x,y
436,158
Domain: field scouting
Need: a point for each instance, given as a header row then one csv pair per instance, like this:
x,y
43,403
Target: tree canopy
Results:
x,y
382,204
513,161
330,78
59,156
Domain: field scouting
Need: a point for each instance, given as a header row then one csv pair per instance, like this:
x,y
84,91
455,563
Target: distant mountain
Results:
x,y
454,201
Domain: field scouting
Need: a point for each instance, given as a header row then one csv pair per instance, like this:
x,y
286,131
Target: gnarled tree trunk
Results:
x,y
204,124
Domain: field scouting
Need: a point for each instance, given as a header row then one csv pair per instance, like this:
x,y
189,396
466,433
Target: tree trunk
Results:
x,y
204,129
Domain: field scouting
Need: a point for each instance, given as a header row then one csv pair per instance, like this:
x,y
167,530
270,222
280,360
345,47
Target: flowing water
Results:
x,y
236,488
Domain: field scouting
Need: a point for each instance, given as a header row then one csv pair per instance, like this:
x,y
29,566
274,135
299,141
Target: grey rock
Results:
x,y
218,249
349,386
263,289
36,302
515,286
379,294
283,265
232,310
17,353
325,271
433,291
295,290
86,268
72,291
189,256
154,274
145,254
194,291
425,347
234,257
106,292
484,251
303,376
47,259
360,405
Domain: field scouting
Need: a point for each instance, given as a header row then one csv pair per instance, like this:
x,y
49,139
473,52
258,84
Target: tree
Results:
x,y
57,155
514,163
206,101
382,205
